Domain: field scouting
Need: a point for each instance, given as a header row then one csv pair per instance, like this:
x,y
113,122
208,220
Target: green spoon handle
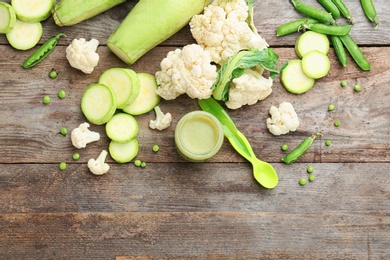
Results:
x,y
237,139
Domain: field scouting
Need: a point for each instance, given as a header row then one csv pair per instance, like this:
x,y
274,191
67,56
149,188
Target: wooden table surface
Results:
x,y
173,209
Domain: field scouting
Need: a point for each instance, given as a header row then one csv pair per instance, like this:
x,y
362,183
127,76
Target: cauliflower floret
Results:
x,y
249,88
223,29
82,55
98,166
81,136
186,70
283,119
162,121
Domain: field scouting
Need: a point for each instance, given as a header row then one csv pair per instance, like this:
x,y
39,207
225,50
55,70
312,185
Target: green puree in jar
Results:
x,y
198,136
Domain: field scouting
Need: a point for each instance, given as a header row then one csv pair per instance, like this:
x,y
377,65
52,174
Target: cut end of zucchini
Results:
x,y
7,17
123,152
294,79
147,98
98,104
33,11
24,36
309,41
315,64
122,128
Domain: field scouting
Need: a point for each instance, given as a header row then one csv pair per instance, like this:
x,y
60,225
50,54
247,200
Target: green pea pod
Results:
x,y
370,11
344,11
330,7
313,12
329,29
42,52
339,50
293,26
355,52
300,149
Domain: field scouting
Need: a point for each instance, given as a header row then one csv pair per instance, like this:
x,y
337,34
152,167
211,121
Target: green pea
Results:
x,y
339,50
61,94
62,166
313,12
53,74
337,123
328,142
76,156
155,148
344,11
357,88
312,177
300,149
143,164
343,83
137,163
284,147
370,11
355,52
331,107
302,181
64,131
329,29
46,100
310,169
293,26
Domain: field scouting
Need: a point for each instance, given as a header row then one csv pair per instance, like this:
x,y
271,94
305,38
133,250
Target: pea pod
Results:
x,y
339,50
328,29
300,149
42,52
355,52
330,7
313,12
293,26
344,11
370,11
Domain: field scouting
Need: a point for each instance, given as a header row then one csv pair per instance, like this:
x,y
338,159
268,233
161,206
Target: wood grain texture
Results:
x,y
173,209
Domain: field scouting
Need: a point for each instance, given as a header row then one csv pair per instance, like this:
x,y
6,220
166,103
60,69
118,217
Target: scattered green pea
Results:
x,y
357,88
61,94
328,142
46,100
62,166
64,131
284,147
312,177
143,164
53,74
155,148
331,107
302,181
137,163
343,83
337,123
310,169
76,156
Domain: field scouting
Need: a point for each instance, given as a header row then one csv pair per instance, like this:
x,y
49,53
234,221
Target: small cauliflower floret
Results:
x,y
186,71
98,166
248,88
82,54
225,28
81,136
283,119
162,121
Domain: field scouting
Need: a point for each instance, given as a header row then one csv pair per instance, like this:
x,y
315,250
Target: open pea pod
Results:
x,y
263,172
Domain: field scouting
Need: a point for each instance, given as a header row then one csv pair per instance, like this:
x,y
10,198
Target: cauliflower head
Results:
x,y
283,119
81,136
186,71
162,120
98,166
248,88
82,55
223,29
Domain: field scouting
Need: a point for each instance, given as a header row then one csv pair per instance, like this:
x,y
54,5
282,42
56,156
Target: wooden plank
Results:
x,y
33,128
200,235
268,16
189,187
